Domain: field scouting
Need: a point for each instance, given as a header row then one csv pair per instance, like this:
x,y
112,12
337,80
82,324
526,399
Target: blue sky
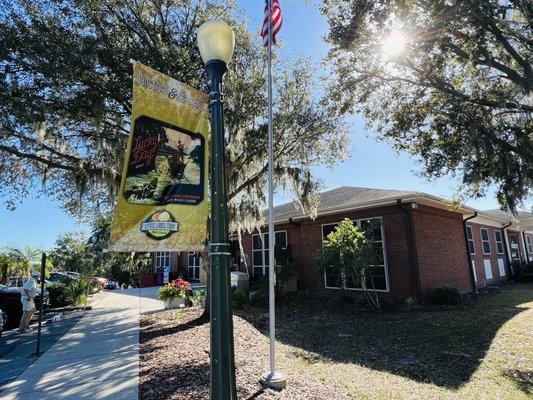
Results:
x,y
373,164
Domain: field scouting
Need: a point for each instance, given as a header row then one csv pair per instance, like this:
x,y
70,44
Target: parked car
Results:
x,y
100,281
72,274
111,284
15,281
11,307
59,277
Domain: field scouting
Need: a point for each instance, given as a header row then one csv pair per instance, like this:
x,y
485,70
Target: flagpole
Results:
x,y
272,379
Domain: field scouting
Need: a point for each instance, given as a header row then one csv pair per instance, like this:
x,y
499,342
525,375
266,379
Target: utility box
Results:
x,y
240,280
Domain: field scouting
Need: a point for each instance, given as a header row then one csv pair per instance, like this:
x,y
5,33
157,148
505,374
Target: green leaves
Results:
x,y
458,96
65,101
349,254
347,251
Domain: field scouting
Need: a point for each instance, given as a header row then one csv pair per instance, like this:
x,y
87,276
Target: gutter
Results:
x,y
506,250
411,197
469,256
411,250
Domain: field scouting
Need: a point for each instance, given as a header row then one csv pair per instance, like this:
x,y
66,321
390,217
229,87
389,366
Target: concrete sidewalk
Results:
x,y
97,359
17,350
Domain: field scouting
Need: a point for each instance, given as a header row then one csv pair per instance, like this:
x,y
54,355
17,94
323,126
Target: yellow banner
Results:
x,y
163,203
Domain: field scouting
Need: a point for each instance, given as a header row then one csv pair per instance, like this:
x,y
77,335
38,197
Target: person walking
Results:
x,y
27,296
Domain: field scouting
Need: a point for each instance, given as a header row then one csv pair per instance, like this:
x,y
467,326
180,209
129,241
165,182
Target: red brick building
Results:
x,y
496,241
423,242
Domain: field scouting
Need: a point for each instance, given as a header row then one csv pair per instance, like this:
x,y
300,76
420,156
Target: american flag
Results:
x,y
277,22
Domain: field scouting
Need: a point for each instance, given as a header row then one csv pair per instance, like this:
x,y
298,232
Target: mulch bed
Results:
x,y
174,359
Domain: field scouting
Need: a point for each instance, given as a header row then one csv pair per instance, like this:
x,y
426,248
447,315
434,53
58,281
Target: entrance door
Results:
x,y
515,250
193,266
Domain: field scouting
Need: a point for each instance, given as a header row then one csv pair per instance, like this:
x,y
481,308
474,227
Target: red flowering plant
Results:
x,y
177,288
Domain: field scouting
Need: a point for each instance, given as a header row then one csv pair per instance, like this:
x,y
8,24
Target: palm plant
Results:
x,y
22,260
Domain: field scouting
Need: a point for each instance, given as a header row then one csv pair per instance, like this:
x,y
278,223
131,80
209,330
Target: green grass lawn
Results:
x,y
484,351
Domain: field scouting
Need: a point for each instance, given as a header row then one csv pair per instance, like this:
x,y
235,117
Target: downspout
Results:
x,y
413,261
469,256
507,251
525,247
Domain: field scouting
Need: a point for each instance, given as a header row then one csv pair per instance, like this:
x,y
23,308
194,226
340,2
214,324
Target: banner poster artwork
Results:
x,y
163,203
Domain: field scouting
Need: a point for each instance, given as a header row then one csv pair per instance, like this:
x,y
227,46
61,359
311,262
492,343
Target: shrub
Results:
x,y
259,289
239,298
198,297
177,288
445,295
66,294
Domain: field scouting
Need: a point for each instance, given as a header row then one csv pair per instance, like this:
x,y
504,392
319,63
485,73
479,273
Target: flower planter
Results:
x,y
175,302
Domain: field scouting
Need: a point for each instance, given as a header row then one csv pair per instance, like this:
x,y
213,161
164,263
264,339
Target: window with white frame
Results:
x,y
485,240
193,266
499,241
378,278
260,250
529,244
162,259
470,237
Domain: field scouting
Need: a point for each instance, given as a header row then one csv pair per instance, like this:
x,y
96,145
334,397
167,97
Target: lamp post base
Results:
x,y
276,381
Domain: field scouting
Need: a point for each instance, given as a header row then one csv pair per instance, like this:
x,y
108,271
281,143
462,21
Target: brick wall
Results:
x,y
306,239
437,235
441,250
479,257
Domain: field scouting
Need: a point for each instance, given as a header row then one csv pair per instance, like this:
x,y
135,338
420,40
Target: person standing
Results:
x,y
27,296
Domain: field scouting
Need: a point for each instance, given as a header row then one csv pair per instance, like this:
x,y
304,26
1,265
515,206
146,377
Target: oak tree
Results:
x,y
65,101
448,81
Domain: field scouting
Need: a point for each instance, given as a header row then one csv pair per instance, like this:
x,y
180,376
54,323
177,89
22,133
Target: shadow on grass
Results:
x,y
439,347
522,379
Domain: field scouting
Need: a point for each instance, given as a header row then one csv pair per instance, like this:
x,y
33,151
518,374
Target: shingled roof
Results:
x,y
506,215
343,197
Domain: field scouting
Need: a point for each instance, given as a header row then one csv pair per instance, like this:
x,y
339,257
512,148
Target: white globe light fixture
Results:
x,y
216,41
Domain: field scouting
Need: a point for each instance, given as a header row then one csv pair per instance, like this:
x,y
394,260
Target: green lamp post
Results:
x,y
216,41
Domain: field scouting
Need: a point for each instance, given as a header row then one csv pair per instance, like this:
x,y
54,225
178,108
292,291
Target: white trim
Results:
x,y
415,197
482,219
501,267
483,241
383,245
263,249
160,259
498,241
529,244
487,265
189,266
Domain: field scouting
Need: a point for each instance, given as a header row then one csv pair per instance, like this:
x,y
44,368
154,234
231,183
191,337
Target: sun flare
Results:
x,y
394,44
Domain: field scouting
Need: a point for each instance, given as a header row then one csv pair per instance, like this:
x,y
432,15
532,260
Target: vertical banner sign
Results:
x,y
163,203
